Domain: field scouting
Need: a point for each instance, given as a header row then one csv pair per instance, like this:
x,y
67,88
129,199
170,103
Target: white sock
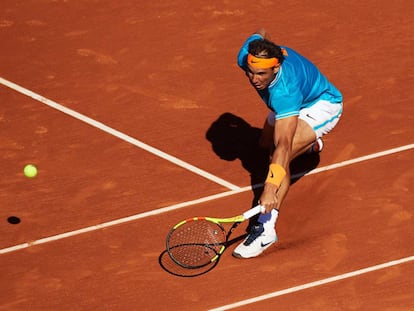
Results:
x,y
269,219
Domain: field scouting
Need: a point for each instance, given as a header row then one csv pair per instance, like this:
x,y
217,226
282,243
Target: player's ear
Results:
x,y
276,68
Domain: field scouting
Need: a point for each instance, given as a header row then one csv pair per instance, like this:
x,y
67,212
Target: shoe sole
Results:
x,y
319,143
237,255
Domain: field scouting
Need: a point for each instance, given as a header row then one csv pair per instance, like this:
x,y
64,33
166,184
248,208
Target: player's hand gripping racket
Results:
x,y
196,242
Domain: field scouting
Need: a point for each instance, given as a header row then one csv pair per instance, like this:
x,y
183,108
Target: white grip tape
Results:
x,y
254,211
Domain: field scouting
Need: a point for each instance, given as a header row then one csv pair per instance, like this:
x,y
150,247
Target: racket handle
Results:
x,y
253,211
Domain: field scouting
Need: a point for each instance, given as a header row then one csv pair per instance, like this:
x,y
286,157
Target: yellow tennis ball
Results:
x,y
30,171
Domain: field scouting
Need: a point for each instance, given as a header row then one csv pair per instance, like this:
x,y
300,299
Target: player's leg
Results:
x,y
304,140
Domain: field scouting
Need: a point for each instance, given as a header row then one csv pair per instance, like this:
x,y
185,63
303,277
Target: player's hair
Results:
x,y
264,47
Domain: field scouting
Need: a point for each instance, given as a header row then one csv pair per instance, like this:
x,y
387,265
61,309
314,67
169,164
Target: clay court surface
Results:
x,y
112,101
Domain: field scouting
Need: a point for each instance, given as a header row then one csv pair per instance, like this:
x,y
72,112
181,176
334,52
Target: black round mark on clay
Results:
x,y
13,220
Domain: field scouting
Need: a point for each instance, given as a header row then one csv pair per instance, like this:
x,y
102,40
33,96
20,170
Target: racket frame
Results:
x,y
236,220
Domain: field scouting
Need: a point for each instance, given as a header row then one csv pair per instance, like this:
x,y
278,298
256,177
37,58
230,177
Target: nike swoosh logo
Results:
x,y
309,116
265,244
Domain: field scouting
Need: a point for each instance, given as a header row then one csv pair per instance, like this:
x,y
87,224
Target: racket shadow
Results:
x,y
170,266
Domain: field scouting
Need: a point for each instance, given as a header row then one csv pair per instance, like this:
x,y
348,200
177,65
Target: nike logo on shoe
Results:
x,y
265,244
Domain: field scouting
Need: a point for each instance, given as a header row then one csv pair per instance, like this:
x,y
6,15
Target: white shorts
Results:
x,y
322,116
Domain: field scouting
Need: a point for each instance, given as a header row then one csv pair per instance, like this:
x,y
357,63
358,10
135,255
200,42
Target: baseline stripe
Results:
x,y
188,203
314,284
118,134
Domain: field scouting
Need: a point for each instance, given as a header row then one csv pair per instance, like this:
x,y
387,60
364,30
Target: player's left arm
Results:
x,y
279,168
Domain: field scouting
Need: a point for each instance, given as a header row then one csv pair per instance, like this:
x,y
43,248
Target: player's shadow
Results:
x,y
233,138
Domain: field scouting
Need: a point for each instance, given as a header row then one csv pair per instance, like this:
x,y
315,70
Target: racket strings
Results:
x,y
196,243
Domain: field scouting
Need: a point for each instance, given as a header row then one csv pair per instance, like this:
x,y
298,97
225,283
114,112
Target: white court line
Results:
x,y
190,203
356,160
121,220
118,134
314,284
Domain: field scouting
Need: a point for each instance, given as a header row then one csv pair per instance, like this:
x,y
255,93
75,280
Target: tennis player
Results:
x,y
303,105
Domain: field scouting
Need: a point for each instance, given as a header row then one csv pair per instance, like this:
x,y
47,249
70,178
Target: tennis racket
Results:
x,y
196,242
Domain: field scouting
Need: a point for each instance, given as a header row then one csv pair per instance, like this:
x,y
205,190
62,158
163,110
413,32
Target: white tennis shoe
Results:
x,y
256,242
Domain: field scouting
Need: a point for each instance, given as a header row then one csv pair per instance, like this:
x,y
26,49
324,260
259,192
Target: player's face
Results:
x,y
260,78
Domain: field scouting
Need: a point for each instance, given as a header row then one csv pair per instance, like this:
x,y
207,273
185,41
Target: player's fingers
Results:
x,y
268,206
